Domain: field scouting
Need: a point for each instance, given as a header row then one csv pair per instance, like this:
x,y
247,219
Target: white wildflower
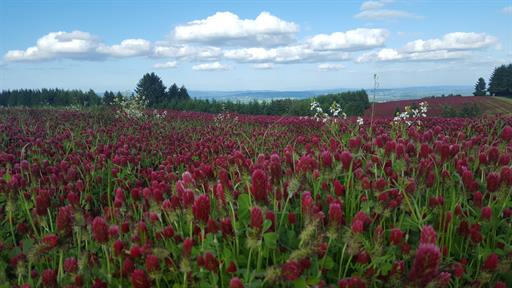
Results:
x,y
132,107
412,115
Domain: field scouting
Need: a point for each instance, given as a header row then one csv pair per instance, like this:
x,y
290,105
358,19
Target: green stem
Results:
x,y
30,218
109,277
346,267
248,266
12,228
341,260
60,273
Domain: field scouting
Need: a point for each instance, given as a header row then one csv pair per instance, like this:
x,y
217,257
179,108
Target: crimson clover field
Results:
x,y
88,199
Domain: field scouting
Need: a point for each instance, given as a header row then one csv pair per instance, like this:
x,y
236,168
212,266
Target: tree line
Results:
x,y
48,97
152,88
500,83
353,103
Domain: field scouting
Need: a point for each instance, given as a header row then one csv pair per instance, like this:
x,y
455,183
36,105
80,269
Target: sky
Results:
x,y
251,45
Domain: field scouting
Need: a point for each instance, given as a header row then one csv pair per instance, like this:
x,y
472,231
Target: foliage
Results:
x,y
467,110
500,83
353,103
480,88
449,111
108,98
175,94
151,88
202,200
48,97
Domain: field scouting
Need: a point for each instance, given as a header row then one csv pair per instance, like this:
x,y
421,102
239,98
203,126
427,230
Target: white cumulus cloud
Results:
x,y
166,65
188,52
77,45
73,44
285,54
264,41
214,66
438,55
389,54
227,28
453,41
357,39
375,10
455,45
127,48
330,66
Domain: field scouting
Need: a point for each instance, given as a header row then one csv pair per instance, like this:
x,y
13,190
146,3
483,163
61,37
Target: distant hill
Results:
x,y
381,95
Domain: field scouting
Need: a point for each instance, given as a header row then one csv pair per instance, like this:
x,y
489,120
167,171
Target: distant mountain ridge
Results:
x,y
381,95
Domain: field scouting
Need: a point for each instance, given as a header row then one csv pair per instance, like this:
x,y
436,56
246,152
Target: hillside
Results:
x,y
487,105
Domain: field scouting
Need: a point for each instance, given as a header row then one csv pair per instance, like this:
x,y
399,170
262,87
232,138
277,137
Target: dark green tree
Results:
x,y
44,97
173,92
183,94
480,87
118,96
108,98
500,83
90,98
152,88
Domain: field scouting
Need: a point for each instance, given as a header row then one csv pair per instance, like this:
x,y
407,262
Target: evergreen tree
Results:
x,y
43,97
152,88
90,99
119,96
480,87
183,94
173,93
500,83
108,98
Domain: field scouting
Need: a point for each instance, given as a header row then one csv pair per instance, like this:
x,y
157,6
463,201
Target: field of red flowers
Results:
x,y
198,200
487,105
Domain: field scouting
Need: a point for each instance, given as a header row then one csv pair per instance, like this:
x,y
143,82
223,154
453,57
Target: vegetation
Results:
x,y
151,88
90,199
500,83
48,97
468,110
480,87
109,98
353,103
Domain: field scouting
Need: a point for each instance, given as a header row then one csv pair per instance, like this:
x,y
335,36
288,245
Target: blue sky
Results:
x,y
239,45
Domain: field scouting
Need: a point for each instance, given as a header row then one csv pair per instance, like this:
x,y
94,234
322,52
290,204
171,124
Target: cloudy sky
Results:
x,y
239,45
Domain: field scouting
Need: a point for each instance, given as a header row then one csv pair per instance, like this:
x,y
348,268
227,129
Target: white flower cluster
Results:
x,y
360,121
411,116
319,113
159,116
335,110
225,118
74,107
131,107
